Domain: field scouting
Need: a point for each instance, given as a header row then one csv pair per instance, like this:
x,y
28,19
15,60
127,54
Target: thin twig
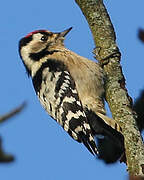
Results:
x,y
12,113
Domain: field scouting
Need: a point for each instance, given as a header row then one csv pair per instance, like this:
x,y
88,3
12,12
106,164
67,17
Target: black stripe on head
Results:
x,y
24,41
53,65
41,54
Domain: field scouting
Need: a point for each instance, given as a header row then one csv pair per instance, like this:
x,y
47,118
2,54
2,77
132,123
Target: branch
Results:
x,y
5,158
139,109
120,103
141,35
12,113
136,178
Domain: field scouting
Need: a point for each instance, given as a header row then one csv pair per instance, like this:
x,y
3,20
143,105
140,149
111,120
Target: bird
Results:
x,y
69,87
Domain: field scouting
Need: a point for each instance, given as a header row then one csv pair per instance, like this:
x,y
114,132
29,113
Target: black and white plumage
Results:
x,y
69,87
58,95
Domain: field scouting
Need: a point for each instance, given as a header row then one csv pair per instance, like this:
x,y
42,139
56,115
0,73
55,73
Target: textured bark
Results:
x,y
120,103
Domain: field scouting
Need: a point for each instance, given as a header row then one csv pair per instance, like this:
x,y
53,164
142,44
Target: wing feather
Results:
x,y
58,95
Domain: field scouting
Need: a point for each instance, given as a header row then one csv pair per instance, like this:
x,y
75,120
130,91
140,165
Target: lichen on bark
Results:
x,y
120,103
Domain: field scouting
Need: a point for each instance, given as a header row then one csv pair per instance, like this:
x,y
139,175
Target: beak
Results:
x,y
65,32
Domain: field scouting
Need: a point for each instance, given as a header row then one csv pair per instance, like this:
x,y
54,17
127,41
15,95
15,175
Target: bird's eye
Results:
x,y
44,38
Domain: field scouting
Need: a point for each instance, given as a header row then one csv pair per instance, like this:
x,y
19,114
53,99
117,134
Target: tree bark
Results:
x,y
120,103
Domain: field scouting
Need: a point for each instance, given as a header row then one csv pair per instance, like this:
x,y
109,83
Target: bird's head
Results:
x,y
38,44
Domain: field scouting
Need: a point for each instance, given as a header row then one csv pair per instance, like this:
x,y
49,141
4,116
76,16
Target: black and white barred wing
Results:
x,y
58,95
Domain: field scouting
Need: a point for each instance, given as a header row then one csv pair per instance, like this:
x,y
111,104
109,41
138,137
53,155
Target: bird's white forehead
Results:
x,y
37,36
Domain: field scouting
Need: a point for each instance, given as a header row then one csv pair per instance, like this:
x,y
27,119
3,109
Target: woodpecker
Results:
x,y
69,87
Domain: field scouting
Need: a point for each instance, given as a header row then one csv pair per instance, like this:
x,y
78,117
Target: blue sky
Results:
x,y
42,149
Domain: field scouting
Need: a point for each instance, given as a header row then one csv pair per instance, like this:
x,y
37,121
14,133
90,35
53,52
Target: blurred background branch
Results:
x,y
4,157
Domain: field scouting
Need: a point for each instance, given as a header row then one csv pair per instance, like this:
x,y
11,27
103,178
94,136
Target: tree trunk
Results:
x,y
120,103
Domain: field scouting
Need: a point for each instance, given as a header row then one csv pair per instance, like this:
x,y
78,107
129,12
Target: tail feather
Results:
x,y
89,143
109,121
110,130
